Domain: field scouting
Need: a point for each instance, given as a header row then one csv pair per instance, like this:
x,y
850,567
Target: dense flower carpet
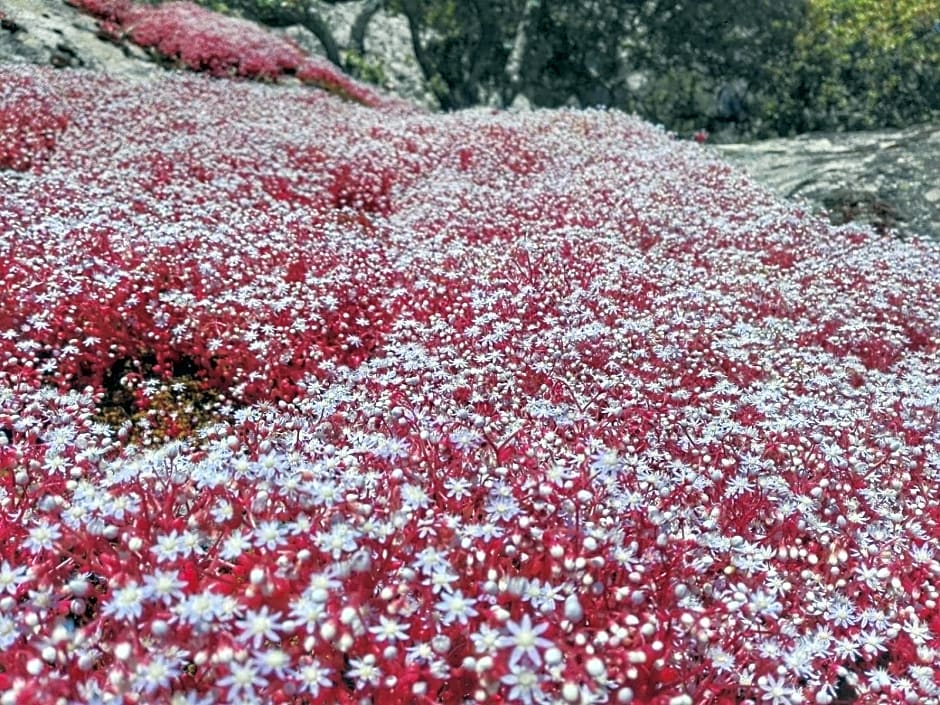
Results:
x,y
308,401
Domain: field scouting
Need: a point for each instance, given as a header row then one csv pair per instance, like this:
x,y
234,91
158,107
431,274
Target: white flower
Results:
x,y
485,639
455,607
125,602
464,439
737,485
191,697
879,678
847,648
314,676
457,487
270,535
523,684
440,580
429,560
274,661
9,632
158,672
525,640
164,586
841,612
235,545
259,625
42,537
414,497
763,604
918,631
872,642
307,610
340,538
721,659
169,547
389,630
364,671
201,610
776,691
421,652
502,508
11,578
241,682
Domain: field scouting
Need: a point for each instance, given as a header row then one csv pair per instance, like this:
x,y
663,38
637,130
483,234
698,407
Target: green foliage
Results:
x,y
365,70
706,62
679,98
463,46
859,64
574,51
748,68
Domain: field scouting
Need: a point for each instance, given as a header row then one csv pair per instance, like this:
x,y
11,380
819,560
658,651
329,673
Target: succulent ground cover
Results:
x,y
303,401
184,34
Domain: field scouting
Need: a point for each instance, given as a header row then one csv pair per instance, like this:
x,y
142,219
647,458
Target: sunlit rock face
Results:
x,y
887,179
53,33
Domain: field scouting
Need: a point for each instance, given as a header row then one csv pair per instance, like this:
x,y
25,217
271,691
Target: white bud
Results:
x,y
348,615
573,610
345,643
441,644
595,668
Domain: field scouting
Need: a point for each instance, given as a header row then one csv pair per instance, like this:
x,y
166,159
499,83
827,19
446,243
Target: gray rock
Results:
x,y
887,179
387,45
388,39
55,33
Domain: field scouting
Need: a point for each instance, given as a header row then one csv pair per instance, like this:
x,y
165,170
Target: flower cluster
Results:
x,y
511,409
206,41
30,120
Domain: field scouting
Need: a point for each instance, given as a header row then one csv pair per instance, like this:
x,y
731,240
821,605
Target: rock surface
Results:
x,y
55,33
387,44
888,179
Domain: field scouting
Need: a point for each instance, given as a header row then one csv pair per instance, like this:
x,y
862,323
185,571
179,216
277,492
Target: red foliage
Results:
x,y
206,41
511,408
31,119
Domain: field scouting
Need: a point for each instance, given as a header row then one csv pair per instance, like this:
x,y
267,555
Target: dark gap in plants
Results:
x,y
347,681
848,206
149,400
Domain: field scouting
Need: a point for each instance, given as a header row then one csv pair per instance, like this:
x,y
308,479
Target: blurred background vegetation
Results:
x,y
740,69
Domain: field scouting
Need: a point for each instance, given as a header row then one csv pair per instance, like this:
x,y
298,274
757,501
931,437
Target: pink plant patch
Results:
x,y
31,119
206,41
303,402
